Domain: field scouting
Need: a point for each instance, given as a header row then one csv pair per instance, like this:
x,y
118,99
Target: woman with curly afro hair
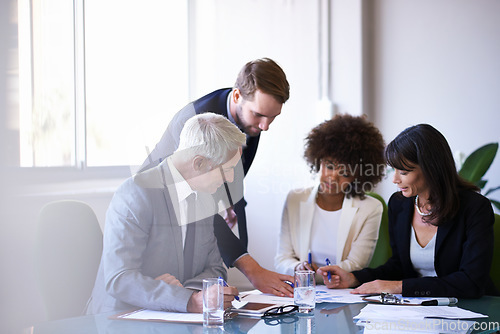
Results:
x,y
335,219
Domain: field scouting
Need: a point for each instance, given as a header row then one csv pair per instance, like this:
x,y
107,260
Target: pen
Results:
x,y
225,284
309,258
440,302
329,274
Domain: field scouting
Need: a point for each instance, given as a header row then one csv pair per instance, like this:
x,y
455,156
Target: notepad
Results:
x,y
163,316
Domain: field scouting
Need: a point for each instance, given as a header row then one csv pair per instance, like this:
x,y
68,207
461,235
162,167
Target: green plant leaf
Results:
x,y
481,183
491,190
495,203
478,162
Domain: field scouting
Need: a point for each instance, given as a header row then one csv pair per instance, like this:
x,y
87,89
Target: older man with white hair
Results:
x,y
159,241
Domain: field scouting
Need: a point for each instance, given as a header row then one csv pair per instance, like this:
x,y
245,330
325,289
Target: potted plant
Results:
x,y
476,165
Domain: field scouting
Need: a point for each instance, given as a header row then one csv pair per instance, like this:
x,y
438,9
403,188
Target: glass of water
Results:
x,y
304,292
213,302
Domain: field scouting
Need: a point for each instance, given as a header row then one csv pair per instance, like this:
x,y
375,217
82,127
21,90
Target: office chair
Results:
x,y
383,249
68,251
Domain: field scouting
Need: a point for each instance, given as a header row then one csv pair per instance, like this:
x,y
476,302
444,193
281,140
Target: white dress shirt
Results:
x,y
183,190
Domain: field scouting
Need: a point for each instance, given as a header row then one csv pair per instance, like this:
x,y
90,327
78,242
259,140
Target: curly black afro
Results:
x,y
351,141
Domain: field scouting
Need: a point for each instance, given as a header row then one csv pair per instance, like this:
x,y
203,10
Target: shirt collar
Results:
x,y
181,186
228,104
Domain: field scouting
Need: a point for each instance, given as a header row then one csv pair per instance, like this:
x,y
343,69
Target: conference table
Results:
x,y
326,318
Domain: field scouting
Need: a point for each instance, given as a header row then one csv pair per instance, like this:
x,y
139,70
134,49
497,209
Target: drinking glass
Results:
x,y
304,292
213,302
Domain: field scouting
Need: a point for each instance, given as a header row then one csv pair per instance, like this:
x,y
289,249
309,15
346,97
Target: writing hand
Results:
x,y
229,293
341,279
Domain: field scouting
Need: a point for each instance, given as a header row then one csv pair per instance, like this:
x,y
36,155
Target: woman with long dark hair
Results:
x,y
441,228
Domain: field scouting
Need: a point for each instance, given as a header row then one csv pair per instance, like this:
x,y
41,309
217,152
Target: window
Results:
x,y
99,79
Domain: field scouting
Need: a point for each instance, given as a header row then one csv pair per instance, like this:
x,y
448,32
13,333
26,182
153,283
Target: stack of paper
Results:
x,y
379,318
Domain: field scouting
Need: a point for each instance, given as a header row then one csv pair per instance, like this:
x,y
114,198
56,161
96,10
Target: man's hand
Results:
x,y
265,280
195,303
169,279
340,279
379,286
271,282
229,293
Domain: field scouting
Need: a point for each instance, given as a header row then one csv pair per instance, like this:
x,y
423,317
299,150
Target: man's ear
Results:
x,y
236,95
200,164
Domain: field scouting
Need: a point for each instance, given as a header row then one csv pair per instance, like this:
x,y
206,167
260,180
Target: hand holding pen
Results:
x,y
328,263
229,292
309,265
337,278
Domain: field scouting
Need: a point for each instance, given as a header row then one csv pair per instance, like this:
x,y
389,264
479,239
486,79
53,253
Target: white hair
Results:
x,y
211,136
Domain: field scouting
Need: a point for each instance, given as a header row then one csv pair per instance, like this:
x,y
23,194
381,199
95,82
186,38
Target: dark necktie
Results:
x,y
190,234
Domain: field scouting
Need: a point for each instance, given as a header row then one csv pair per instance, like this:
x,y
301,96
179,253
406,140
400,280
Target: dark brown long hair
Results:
x,y
426,147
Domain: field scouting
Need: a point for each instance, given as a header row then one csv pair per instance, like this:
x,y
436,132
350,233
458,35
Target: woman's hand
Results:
x,y
340,279
379,286
306,266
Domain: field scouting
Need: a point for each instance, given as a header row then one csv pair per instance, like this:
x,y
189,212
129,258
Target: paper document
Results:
x,y
397,312
325,295
149,315
255,296
393,319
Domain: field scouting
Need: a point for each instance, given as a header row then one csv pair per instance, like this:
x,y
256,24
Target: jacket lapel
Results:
x,y
171,202
306,217
349,209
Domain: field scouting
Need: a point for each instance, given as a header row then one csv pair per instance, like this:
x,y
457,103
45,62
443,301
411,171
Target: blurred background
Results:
x,y
87,87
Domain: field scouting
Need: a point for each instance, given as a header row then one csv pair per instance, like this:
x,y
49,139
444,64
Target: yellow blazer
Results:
x,y
357,234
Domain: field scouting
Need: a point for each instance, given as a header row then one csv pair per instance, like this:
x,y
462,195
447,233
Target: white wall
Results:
x,y
437,62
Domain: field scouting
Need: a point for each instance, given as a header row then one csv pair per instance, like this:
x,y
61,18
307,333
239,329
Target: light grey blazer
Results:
x,y
357,233
143,240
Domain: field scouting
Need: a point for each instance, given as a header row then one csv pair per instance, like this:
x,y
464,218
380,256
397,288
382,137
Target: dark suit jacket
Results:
x,y
229,245
463,252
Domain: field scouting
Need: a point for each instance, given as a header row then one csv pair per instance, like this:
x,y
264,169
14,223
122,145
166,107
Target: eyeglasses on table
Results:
x,y
279,310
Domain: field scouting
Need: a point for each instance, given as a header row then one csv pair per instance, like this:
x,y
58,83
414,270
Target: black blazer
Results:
x,y
463,252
